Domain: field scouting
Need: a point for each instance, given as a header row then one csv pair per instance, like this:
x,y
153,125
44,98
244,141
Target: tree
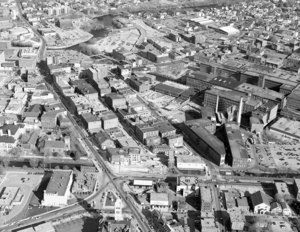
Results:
x,y
77,156
33,162
5,161
15,152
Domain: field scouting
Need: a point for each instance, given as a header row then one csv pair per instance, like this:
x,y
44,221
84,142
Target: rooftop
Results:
x,y
209,139
162,198
59,182
287,126
235,140
260,92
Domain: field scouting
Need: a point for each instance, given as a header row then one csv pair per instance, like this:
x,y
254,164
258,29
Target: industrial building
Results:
x,y
238,156
208,145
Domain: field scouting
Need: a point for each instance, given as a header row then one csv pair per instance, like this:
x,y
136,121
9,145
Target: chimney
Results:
x,y
239,113
217,104
1,132
9,132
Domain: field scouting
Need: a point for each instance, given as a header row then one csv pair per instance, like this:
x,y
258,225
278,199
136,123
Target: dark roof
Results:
x,y
211,140
12,127
226,82
7,139
259,198
167,89
54,144
33,111
108,115
59,182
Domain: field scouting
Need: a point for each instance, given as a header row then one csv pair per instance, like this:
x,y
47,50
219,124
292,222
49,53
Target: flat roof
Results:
x,y
211,140
45,227
205,193
108,115
235,140
163,198
260,92
189,159
143,182
59,182
287,126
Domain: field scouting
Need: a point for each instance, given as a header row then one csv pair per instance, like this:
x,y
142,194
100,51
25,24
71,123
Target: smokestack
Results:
x,y
217,104
240,110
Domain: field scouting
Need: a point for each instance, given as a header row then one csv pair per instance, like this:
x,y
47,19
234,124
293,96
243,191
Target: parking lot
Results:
x,y
286,155
26,183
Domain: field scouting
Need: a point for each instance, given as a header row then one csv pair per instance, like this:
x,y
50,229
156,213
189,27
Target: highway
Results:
x,y
42,48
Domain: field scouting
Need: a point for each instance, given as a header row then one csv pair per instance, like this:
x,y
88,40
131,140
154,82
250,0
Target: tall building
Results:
x,y
208,145
221,99
238,156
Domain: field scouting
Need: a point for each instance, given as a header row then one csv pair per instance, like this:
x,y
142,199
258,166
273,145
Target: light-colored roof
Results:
x,y
159,198
287,126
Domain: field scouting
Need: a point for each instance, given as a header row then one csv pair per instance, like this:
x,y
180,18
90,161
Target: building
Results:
x,y
9,135
260,202
260,93
282,189
104,140
242,202
276,208
190,162
279,225
44,227
175,141
118,210
287,128
115,101
221,99
237,219
143,183
165,129
238,156
10,196
187,185
84,88
109,120
159,201
171,88
206,201
208,145
49,118
58,188
54,146
144,131
124,156
32,114
286,210
140,84
297,188
91,122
